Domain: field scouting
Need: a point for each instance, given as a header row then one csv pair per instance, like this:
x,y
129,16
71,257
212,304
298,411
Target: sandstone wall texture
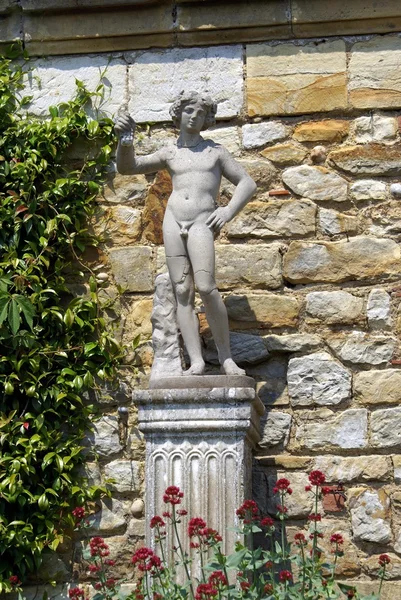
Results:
x,y
309,271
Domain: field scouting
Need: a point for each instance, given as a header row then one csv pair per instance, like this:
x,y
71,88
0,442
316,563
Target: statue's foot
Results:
x,y
230,368
197,368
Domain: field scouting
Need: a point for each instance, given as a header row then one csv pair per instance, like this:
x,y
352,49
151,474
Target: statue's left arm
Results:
x,y
245,188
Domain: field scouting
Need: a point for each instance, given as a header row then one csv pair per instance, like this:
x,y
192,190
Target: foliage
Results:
x,y
284,571
53,346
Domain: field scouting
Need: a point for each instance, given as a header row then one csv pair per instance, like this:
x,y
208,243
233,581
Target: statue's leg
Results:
x,y
182,279
201,253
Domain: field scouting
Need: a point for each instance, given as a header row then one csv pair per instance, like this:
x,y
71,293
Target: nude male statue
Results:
x,y
191,219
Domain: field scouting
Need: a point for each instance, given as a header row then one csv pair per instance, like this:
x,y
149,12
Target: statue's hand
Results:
x,y
124,125
218,218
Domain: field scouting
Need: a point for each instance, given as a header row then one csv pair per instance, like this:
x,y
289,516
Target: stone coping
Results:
x,y
54,27
194,396
202,381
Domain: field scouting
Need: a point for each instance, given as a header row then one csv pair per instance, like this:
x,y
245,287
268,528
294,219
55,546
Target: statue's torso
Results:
x,y
196,175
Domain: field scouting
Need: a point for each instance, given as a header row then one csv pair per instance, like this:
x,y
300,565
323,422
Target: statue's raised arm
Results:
x,y
127,162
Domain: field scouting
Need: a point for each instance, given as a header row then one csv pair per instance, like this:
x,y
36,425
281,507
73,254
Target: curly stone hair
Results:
x,y
186,98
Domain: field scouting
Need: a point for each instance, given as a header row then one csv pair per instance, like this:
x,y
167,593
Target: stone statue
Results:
x,y
192,220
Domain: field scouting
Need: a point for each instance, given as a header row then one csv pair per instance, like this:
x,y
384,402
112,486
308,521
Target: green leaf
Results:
x,y
27,308
13,316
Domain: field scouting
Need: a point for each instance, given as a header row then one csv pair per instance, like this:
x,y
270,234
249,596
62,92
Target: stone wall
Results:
x,y
309,271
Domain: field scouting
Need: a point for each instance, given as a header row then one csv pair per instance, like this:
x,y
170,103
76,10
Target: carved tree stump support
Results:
x,y
199,439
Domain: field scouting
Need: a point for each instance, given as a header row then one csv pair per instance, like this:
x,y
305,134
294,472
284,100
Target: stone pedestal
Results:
x,y
200,439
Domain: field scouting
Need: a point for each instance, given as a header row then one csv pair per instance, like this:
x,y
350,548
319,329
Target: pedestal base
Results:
x,y
201,440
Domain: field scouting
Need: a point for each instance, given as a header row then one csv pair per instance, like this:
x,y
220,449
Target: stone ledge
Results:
x,y
204,381
111,25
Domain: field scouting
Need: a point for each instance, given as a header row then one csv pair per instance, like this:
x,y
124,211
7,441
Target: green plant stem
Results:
x,y
183,557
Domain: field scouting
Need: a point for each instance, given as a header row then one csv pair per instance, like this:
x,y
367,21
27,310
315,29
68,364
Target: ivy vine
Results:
x,y
53,346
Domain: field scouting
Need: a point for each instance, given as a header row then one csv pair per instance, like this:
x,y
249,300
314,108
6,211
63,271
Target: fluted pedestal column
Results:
x,y
200,439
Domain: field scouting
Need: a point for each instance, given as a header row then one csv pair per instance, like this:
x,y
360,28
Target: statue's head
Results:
x,y
186,98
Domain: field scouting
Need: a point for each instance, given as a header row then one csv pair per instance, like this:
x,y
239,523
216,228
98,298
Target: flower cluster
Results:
x,y
206,535
146,560
75,593
173,495
14,580
206,591
98,547
282,486
248,511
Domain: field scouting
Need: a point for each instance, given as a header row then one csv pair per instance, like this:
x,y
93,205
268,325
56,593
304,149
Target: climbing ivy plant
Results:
x,y
53,346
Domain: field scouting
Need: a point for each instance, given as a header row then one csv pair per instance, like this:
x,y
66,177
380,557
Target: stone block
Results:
x,y
371,566
53,568
262,171
317,379
368,189
385,222
125,189
294,79
299,504
293,342
313,17
271,378
226,136
255,135
370,515
324,429
285,154
332,222
133,268
57,75
369,159
104,438
359,259
373,73
379,310
118,224
375,129
136,317
334,307
386,428
354,469
155,207
363,349
246,349
110,519
316,183
378,387
275,429
274,219
157,77
329,131
254,266
126,474
10,27
395,190
272,310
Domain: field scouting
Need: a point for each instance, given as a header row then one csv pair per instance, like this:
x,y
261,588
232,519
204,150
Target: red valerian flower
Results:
x,y
98,547
205,591
166,515
337,538
157,521
110,583
315,517
218,578
146,560
173,495
78,513
282,484
182,512
285,576
94,568
300,539
268,588
26,425
76,593
195,525
245,585
316,534
351,593
248,511
308,488
110,562
325,490
283,510
267,522
384,559
14,580
317,478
